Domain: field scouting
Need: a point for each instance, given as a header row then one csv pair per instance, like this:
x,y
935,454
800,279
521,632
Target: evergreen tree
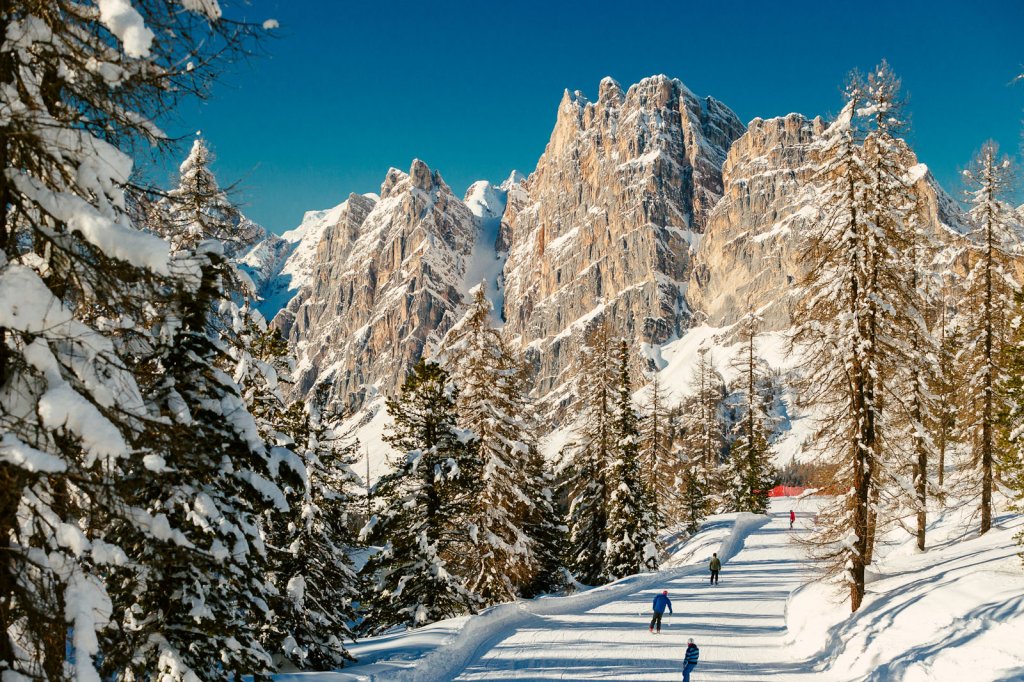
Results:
x,y
632,531
82,87
217,476
991,287
693,499
751,472
703,426
544,526
586,475
316,581
426,504
492,404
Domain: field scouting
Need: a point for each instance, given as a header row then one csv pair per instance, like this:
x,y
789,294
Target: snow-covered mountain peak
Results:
x,y
514,178
281,265
485,200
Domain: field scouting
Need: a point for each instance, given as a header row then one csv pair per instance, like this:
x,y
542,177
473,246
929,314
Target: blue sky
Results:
x,y
345,90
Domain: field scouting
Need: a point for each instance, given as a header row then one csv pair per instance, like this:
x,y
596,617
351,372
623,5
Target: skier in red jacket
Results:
x,y
792,518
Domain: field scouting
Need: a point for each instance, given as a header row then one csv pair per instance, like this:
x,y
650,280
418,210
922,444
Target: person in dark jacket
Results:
x,y
661,602
715,566
690,659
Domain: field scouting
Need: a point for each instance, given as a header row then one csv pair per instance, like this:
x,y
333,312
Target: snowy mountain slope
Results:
x,y
385,285
487,260
281,265
613,209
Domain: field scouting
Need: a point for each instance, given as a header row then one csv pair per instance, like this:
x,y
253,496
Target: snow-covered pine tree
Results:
x,y
988,300
632,527
693,496
203,610
493,405
82,87
201,209
426,504
315,577
544,525
585,474
751,472
949,384
703,427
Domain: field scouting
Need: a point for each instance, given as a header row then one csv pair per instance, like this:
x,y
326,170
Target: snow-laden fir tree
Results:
x,y
751,473
425,509
632,526
693,494
82,87
703,433
204,594
203,209
493,405
544,525
316,581
988,305
587,461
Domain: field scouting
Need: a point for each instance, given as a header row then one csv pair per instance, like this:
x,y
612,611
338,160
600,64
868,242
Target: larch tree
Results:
x,y
493,405
425,509
990,290
832,339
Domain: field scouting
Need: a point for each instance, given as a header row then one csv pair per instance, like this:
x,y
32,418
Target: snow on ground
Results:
x,y
596,634
487,203
954,613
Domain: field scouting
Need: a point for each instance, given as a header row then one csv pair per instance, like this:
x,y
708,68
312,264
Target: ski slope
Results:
x,y
952,614
739,624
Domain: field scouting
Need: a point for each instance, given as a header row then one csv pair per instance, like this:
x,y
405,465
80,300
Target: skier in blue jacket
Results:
x,y
661,602
690,660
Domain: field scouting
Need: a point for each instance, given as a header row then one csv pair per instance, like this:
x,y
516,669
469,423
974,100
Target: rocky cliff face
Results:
x,y
387,279
749,256
608,220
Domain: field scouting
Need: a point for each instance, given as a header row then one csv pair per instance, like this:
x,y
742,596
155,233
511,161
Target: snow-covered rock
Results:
x,y
281,265
618,200
749,256
387,280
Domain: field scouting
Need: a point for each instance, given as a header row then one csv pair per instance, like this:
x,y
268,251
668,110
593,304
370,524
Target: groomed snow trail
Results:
x,y
739,624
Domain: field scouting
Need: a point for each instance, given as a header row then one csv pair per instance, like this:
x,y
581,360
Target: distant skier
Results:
x,y
690,659
792,518
715,566
661,602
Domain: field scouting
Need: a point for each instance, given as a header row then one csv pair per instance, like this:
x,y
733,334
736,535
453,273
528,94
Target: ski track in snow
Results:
x,y
739,625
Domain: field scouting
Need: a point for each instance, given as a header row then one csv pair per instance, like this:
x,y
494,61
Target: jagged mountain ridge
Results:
x,y
650,204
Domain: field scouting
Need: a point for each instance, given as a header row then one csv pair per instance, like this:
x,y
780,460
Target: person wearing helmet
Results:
x,y
661,602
